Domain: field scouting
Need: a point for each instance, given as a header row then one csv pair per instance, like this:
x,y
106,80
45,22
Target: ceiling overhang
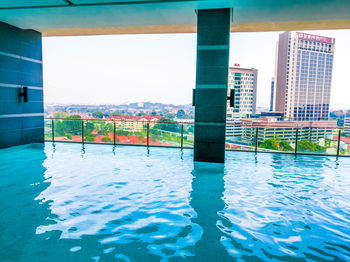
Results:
x,y
100,17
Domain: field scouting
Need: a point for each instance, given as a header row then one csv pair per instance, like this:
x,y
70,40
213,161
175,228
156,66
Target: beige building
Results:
x,y
134,124
244,131
303,76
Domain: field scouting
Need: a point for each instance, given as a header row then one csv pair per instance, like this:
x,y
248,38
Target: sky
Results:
x,y
118,69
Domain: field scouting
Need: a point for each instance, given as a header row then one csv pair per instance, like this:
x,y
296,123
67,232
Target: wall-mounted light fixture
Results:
x,y
231,98
24,93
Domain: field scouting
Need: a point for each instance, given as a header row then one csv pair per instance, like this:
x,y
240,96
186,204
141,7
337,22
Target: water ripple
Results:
x,y
157,205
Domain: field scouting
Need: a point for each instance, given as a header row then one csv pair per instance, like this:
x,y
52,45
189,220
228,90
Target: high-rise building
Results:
x,y
303,76
272,93
243,81
347,125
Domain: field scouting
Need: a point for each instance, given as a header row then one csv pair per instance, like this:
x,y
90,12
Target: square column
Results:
x,y
210,96
21,86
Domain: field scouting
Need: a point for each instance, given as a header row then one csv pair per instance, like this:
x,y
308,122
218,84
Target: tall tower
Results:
x,y
244,83
303,76
347,124
272,93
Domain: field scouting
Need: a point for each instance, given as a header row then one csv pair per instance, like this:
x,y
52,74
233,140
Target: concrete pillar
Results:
x,y
20,66
210,96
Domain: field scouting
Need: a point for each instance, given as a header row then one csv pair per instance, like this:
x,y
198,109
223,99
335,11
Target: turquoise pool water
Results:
x,y
70,202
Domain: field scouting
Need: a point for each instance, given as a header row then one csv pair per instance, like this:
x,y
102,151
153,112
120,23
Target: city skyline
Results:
x,y
112,67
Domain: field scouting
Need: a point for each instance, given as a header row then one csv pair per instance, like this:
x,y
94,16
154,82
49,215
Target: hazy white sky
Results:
x,y
161,68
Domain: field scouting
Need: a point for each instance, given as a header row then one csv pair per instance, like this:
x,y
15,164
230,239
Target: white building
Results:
x,y
347,125
244,83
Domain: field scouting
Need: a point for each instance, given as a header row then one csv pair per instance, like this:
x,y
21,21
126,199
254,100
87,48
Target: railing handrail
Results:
x,y
117,120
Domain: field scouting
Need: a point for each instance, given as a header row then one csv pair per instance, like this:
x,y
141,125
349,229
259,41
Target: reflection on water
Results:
x,y
206,199
20,210
66,202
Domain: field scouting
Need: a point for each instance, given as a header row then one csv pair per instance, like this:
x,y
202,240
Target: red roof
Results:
x,y
135,118
119,140
343,139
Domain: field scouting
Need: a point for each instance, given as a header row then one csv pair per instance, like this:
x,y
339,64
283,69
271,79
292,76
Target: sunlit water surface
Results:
x,y
68,202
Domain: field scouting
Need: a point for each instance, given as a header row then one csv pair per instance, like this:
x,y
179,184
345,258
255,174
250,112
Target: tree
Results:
x,y
307,146
180,114
104,128
69,136
167,124
89,127
285,146
97,114
89,139
123,133
269,143
140,137
169,115
276,143
73,125
106,139
60,128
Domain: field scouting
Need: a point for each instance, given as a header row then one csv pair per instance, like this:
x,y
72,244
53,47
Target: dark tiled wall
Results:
x,y
20,65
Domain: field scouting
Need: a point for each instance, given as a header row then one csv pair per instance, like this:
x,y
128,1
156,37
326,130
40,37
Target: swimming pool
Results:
x,y
70,202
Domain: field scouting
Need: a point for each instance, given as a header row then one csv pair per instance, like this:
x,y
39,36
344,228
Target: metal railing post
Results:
x,y
53,130
148,134
256,139
82,131
296,141
182,136
113,132
338,147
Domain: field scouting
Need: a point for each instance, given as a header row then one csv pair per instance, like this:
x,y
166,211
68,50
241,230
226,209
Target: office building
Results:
x,y
272,93
303,76
277,115
269,127
347,125
243,82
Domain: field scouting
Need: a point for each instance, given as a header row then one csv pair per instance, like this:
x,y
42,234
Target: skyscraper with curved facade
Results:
x,y
303,76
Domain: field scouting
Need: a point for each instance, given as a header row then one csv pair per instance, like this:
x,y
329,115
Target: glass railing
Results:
x,y
99,131
293,140
48,134
120,132
239,138
68,130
